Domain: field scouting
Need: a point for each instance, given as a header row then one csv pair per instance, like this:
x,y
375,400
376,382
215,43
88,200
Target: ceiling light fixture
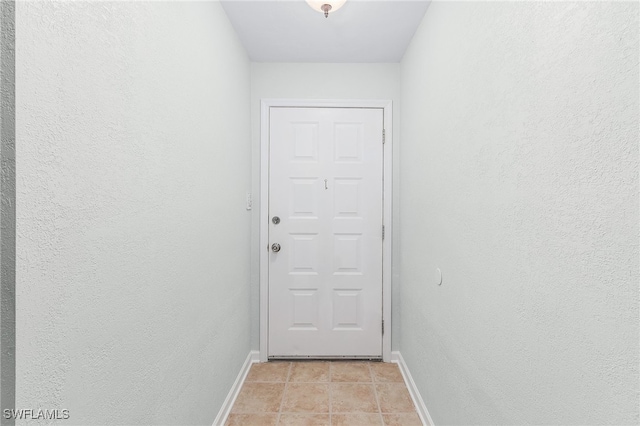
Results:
x,y
326,5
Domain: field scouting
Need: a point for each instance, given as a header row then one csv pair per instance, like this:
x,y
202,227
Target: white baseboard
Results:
x,y
221,418
425,417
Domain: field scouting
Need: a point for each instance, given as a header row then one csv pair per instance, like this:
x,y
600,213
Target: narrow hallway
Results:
x,y
138,240
324,393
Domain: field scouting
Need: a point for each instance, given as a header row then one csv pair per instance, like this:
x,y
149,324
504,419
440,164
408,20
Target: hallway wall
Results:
x,y
520,182
312,81
133,240
7,204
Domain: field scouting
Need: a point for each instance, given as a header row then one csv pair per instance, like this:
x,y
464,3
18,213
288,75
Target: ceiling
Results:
x,y
360,31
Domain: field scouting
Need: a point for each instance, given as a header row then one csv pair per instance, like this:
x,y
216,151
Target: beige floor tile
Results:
x,y
269,372
350,372
386,372
353,398
394,398
355,419
306,397
298,419
259,398
252,420
309,372
403,419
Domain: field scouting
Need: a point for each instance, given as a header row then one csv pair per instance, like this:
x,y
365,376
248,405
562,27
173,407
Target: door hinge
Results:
x,y
383,232
384,136
382,326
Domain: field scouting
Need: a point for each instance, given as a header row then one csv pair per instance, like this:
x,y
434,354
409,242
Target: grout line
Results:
x,y
284,393
326,382
375,392
330,396
370,371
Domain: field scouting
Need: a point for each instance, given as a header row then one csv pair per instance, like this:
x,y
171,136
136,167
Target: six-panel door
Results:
x,y
326,187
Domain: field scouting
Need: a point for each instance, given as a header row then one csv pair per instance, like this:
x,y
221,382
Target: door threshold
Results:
x,y
324,358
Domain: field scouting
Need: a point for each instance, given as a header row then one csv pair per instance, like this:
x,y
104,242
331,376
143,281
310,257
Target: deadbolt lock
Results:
x,y
275,220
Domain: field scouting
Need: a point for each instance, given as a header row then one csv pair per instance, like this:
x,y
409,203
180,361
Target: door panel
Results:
x,y
325,185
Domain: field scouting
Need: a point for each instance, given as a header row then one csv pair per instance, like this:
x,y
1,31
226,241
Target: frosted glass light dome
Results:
x,y
318,5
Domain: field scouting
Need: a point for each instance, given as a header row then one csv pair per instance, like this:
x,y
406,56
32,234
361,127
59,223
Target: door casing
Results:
x,y
387,107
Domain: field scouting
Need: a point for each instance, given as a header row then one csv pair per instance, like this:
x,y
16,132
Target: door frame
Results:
x,y
387,107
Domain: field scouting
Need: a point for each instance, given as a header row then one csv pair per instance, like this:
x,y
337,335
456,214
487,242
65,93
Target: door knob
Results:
x,y
275,247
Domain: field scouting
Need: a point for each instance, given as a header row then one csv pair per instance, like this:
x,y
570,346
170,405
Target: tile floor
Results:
x,y
324,393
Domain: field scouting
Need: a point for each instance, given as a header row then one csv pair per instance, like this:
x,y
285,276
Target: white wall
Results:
x,y
318,81
133,240
520,181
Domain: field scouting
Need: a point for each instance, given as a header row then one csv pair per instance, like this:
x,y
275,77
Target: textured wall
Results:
x,y
7,205
520,181
319,81
132,236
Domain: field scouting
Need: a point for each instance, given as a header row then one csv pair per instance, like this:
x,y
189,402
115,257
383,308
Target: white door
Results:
x,y
326,189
